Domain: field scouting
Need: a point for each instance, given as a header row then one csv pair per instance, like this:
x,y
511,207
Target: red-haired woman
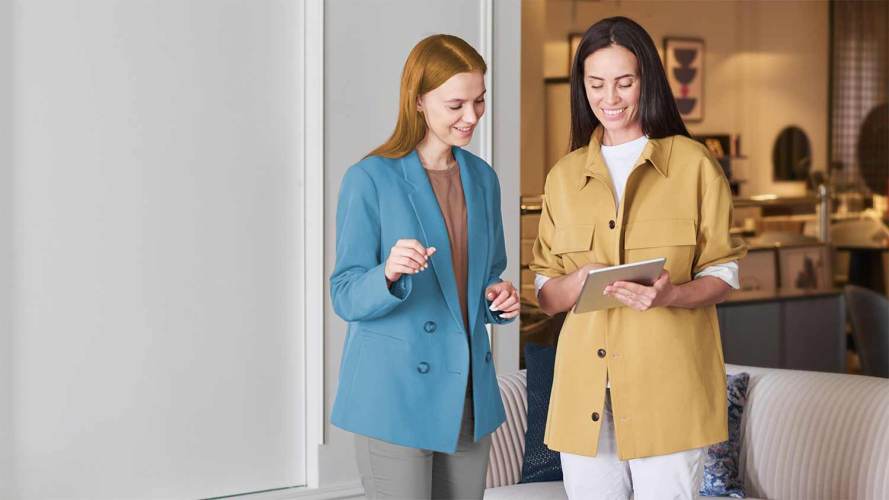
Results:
x,y
417,383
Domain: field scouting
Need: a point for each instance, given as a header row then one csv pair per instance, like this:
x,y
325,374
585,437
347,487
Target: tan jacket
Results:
x,y
665,365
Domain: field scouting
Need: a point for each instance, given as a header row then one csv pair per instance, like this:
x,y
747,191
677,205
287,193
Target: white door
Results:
x,y
155,214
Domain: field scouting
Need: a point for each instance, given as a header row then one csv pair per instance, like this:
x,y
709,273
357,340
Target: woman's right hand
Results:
x,y
560,294
580,278
407,257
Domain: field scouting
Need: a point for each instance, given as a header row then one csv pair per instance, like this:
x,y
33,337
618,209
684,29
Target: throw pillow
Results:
x,y
722,474
539,463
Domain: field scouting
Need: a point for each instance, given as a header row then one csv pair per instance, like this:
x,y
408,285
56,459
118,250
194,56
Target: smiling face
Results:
x,y
453,109
613,87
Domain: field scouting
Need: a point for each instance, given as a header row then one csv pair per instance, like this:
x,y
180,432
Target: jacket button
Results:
x,y
429,326
611,224
601,353
423,367
488,357
595,417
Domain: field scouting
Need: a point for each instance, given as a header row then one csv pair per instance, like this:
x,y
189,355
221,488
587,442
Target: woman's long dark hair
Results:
x,y
657,108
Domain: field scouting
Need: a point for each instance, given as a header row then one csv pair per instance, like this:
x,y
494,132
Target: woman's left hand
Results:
x,y
504,298
641,297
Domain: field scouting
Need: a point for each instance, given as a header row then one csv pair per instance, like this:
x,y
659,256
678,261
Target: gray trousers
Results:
x,y
393,471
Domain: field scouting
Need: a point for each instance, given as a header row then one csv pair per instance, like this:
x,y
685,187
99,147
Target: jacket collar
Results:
x,y
656,153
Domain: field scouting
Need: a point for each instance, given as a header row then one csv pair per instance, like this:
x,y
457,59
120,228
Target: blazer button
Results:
x,y
429,326
595,417
611,224
423,367
488,357
601,353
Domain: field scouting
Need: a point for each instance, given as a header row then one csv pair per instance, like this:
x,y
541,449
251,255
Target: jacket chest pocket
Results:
x,y
673,239
573,245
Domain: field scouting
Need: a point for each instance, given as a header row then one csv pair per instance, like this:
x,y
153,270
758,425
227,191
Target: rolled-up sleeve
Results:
x,y
728,272
715,243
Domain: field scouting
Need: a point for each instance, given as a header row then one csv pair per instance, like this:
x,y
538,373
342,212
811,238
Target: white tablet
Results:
x,y
591,299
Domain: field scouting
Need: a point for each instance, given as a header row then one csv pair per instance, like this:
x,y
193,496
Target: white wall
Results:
x,y
766,67
785,81
366,44
7,487
149,203
506,120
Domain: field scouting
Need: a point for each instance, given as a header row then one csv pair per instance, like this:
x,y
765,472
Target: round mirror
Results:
x,y
792,156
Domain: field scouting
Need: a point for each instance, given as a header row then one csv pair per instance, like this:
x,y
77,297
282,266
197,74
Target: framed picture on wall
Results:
x,y
684,64
805,267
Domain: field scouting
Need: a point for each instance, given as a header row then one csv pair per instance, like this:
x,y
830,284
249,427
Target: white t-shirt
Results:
x,y
620,161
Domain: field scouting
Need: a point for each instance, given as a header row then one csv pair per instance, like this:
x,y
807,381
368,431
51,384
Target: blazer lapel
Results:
x,y
432,225
477,235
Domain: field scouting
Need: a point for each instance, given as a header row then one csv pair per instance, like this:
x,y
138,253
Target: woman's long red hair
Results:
x,y
431,63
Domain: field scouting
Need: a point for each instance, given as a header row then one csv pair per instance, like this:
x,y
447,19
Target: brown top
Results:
x,y
448,190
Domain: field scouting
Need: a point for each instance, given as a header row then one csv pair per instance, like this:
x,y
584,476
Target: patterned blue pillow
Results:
x,y
539,463
722,475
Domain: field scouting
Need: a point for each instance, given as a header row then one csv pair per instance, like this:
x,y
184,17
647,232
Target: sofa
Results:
x,y
804,435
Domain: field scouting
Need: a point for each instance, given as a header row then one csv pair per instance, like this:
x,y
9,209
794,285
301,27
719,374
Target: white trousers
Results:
x,y
676,476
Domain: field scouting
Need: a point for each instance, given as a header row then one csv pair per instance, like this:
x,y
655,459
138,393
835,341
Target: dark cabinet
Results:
x,y
795,331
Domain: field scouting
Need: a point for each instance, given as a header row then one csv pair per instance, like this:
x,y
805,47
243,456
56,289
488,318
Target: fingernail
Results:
x,y
492,308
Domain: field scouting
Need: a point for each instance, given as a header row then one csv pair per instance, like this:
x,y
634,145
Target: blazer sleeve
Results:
x,y
715,244
498,257
358,284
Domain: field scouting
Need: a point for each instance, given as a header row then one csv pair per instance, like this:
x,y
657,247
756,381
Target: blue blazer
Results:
x,y
406,358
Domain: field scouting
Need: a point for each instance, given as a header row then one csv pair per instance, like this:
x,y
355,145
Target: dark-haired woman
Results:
x,y
639,391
